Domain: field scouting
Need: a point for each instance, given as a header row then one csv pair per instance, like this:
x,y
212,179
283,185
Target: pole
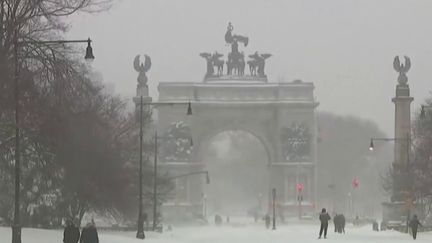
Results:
x,y
298,192
16,228
408,180
274,208
155,182
300,199
140,232
204,198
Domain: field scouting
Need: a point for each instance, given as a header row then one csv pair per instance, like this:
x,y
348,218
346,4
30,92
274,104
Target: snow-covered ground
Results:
x,y
233,233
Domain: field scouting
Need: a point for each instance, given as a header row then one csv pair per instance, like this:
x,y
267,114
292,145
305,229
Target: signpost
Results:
x,y
355,185
300,187
274,208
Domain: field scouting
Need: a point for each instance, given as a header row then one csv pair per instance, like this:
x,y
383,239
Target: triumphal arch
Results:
x,y
235,94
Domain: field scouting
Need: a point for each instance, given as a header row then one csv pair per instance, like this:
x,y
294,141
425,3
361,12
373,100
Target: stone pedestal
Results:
x,y
400,205
142,91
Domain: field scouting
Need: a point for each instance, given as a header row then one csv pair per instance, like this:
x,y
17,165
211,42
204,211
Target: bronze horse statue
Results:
x,y
213,60
257,64
217,62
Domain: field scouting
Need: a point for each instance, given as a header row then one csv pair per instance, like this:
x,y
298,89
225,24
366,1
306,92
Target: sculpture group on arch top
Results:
x,y
235,63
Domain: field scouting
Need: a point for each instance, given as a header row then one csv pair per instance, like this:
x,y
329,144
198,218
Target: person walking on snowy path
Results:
x,y
267,220
336,222
89,234
414,223
71,233
324,218
342,223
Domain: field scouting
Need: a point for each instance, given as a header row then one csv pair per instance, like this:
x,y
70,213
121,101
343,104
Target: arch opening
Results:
x,y
237,161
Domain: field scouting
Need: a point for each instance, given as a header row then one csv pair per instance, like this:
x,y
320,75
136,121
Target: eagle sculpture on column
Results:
x,y
142,69
402,69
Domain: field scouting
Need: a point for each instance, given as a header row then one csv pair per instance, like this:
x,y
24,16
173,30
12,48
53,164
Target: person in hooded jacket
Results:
x,y
324,219
414,223
89,234
71,233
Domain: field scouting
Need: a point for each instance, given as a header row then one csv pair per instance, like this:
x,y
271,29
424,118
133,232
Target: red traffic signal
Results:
x,y
355,183
300,187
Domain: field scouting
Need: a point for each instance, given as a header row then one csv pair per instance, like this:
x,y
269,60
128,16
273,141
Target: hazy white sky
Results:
x,y
346,47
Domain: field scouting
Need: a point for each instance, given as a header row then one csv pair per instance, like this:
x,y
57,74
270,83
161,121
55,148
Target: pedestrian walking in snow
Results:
x,y
324,218
89,234
336,222
342,223
267,220
71,233
218,219
414,223
375,226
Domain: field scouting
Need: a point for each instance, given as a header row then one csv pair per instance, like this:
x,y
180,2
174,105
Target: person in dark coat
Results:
x,y
71,233
414,223
89,234
342,223
218,219
267,220
336,222
324,218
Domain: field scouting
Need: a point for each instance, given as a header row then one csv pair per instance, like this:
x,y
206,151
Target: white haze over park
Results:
x,y
346,47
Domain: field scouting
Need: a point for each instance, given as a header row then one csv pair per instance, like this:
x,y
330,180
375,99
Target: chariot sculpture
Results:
x,y
235,59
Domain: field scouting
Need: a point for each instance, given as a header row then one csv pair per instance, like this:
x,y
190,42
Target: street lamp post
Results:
x,y
140,232
16,227
205,207
350,206
140,227
155,181
397,191
300,187
274,208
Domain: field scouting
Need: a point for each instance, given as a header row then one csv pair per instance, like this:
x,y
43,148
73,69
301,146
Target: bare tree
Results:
x,y
421,162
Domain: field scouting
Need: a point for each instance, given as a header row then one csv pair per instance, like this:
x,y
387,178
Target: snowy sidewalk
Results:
x,y
229,234
284,234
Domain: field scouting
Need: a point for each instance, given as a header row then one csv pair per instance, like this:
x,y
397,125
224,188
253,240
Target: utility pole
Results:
x,y
155,182
274,208
16,228
140,232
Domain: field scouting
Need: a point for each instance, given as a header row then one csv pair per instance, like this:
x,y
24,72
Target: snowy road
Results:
x,y
304,233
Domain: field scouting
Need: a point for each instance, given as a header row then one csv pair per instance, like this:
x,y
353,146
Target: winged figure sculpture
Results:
x,y
402,69
142,69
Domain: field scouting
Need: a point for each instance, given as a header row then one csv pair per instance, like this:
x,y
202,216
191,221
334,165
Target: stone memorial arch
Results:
x,y
282,116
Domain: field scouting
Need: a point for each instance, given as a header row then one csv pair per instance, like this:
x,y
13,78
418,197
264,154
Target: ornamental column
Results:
x,y
402,103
